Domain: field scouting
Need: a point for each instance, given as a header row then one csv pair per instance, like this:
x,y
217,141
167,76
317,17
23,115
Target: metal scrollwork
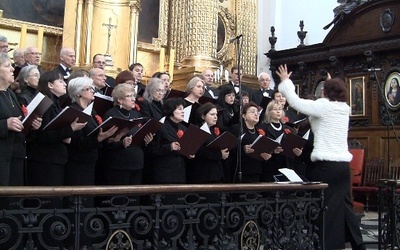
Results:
x,y
225,220
250,238
119,240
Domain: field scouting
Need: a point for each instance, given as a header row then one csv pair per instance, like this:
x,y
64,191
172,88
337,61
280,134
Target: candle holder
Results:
x,y
301,34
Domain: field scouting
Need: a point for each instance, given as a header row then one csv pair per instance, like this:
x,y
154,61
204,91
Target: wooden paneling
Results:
x,y
357,42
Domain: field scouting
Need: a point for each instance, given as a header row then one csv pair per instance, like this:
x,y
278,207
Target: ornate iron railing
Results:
x,y
226,216
389,214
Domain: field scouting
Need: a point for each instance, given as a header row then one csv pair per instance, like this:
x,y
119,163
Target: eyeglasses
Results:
x,y
101,75
160,91
4,47
88,89
35,53
100,62
265,80
35,75
254,112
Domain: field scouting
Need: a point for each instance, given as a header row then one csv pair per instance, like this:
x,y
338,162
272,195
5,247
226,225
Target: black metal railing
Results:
x,y
389,214
226,216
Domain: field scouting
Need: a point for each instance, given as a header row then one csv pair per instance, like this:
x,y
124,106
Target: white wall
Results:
x,y
285,16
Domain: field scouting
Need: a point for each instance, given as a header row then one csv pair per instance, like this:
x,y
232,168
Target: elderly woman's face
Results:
x,y
159,92
87,93
198,89
128,101
33,78
6,73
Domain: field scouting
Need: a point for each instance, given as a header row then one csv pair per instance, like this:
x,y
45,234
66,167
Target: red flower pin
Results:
x,y
24,110
137,107
140,99
287,131
216,131
260,131
98,119
179,133
286,119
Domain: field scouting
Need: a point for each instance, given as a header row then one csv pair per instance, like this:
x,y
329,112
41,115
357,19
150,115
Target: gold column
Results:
x,y
247,25
89,31
40,39
177,29
78,30
202,22
135,8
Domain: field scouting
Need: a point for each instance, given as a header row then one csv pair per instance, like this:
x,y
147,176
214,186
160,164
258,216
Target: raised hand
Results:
x,y
282,72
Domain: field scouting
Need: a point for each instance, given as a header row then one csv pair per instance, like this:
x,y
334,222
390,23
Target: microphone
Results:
x,y
372,69
232,39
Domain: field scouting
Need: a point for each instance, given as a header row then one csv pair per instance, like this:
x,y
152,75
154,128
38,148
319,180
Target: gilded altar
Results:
x,y
182,37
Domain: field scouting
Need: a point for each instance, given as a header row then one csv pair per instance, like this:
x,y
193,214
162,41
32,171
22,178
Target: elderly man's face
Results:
x,y
264,81
209,77
33,56
99,79
68,58
4,47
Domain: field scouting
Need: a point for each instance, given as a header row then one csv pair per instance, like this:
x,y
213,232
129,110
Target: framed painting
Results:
x,y
357,96
392,90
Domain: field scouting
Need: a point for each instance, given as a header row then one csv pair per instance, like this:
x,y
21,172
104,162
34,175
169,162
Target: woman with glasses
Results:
x,y
28,80
274,127
151,105
123,160
83,151
165,77
251,167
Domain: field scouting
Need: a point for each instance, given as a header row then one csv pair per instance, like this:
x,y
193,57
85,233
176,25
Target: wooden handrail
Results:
x,y
35,191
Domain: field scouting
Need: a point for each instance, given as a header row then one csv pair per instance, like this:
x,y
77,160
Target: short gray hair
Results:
x,y
4,58
24,73
263,73
3,39
18,52
76,85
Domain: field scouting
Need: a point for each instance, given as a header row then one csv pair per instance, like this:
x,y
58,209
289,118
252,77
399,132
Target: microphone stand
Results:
x,y
390,124
239,148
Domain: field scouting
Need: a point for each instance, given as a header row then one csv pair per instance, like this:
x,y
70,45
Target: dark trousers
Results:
x,y
339,217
